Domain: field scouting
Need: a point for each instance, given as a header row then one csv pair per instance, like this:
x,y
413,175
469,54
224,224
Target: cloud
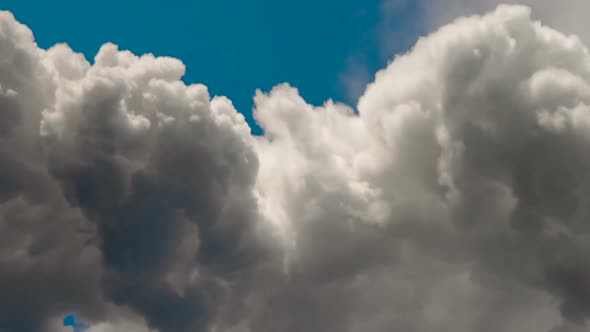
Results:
x,y
424,16
121,186
567,16
454,200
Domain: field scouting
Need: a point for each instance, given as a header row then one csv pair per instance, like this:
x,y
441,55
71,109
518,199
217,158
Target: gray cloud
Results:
x,y
121,186
456,197
455,200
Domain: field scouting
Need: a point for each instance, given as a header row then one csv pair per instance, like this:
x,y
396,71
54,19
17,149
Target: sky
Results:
x,y
450,192
327,49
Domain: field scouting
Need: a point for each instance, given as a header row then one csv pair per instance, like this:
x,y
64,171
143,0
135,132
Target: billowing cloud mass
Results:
x,y
455,199
568,16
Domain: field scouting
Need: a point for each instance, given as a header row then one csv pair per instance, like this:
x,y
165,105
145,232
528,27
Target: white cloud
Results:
x,y
568,16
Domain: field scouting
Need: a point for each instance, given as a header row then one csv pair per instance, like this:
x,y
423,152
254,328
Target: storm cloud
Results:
x,y
453,198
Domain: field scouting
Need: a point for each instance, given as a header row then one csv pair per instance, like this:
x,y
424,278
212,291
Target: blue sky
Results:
x,y
327,49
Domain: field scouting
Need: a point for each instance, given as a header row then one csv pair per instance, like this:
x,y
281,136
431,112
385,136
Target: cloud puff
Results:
x,y
567,16
454,200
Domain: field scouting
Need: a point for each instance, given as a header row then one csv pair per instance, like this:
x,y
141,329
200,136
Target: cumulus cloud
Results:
x,y
120,186
455,199
568,16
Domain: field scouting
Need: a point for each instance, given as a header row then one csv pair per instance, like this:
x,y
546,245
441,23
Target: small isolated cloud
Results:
x,y
454,200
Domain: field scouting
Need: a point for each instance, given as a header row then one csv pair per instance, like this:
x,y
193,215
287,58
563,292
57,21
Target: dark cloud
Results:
x,y
133,190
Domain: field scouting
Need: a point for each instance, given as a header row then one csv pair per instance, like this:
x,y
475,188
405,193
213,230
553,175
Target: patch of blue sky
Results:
x,y
327,49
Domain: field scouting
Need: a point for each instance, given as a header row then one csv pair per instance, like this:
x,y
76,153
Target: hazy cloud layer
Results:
x,y
455,200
